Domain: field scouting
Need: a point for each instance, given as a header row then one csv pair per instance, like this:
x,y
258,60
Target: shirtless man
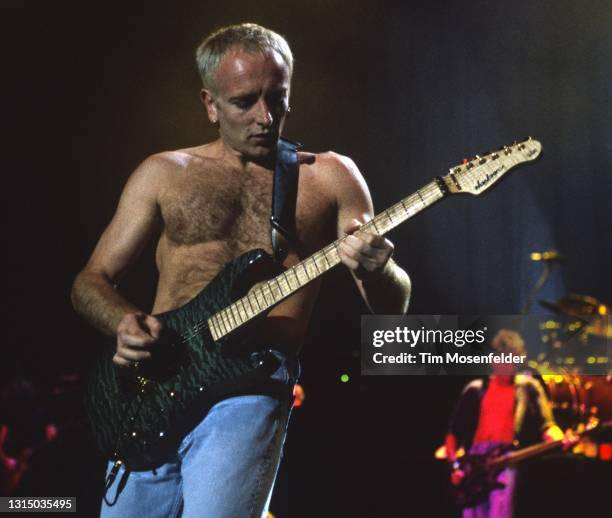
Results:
x,y
212,203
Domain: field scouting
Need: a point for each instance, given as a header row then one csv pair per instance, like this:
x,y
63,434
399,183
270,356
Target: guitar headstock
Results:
x,y
481,172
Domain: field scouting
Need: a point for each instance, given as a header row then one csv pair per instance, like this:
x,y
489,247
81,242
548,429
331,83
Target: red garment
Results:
x,y
496,423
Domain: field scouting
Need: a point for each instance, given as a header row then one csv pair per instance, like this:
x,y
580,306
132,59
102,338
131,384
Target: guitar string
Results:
x,y
430,192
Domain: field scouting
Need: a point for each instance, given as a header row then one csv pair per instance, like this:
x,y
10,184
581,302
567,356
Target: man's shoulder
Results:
x,y
165,164
474,385
179,159
331,162
162,163
527,380
335,172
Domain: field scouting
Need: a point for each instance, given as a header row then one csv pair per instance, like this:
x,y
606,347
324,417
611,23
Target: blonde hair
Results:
x,y
249,37
508,341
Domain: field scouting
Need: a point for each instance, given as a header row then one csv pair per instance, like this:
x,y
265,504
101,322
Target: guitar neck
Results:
x,y
530,451
471,177
269,293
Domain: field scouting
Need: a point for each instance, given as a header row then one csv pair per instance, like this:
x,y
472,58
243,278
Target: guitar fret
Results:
x,y
231,314
304,278
286,282
374,225
314,261
236,314
294,270
335,251
310,270
254,297
285,278
329,250
226,325
377,225
244,308
212,322
422,200
219,324
271,290
236,309
262,292
278,290
279,286
250,305
228,320
327,265
398,213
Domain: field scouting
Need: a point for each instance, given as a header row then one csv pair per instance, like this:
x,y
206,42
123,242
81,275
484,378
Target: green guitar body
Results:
x,y
139,423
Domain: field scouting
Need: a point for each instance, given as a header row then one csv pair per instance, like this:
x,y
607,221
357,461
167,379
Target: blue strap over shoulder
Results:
x,y
284,197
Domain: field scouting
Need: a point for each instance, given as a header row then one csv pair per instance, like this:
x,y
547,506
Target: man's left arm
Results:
x,y
550,430
384,286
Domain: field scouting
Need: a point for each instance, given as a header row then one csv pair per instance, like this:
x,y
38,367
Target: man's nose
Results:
x,y
264,114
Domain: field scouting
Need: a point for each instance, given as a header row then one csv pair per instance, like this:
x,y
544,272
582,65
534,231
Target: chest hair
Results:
x,y
219,205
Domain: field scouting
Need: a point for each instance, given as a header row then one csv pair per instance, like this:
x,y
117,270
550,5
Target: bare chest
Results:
x,y
228,206
234,208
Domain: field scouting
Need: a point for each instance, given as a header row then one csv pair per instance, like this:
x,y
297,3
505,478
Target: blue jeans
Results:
x,y
500,502
224,467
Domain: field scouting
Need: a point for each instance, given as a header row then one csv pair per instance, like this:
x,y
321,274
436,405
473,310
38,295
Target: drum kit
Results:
x,y
575,362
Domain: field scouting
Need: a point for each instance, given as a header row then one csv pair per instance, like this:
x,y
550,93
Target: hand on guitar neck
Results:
x,y
554,433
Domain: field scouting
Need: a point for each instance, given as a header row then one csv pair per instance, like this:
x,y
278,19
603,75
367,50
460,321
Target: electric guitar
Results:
x,y
207,349
481,471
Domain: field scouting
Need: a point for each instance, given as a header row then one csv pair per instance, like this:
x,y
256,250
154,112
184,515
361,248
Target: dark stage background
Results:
x,y
407,90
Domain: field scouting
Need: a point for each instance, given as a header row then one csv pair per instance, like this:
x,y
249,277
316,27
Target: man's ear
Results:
x,y
209,103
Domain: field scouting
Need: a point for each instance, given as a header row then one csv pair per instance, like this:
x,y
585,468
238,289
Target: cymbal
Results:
x,y
585,308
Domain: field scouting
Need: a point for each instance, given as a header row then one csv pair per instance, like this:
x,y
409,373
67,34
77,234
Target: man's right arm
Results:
x,y
94,293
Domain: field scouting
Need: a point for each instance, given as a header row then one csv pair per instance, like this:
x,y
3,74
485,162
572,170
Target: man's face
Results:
x,y
250,101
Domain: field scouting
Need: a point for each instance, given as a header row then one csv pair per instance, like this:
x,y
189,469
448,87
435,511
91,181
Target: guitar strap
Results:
x,y
284,196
